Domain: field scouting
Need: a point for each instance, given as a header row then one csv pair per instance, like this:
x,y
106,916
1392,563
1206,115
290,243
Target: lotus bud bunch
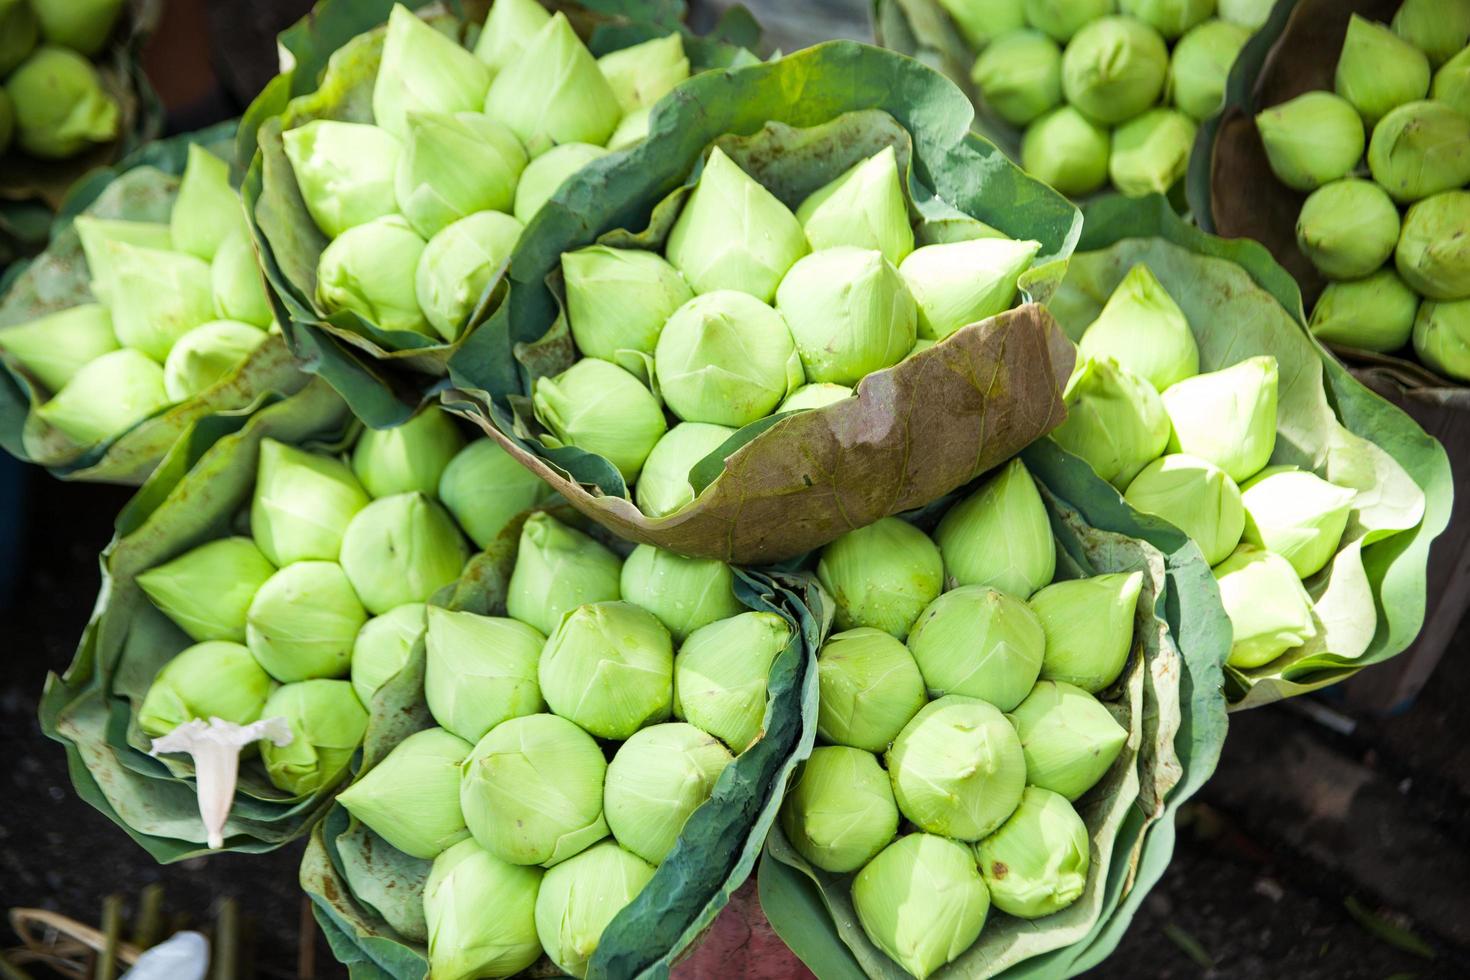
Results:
x,y
1115,420
983,21
1227,417
207,209
882,575
207,591
547,172
157,297
1270,612
557,569
411,798
382,648
1171,18
1312,139
97,234
553,92
302,504
863,208
1067,150
849,312
1419,149
407,457
870,689
818,395
453,165
618,299
463,883
1150,152
423,70
601,408
959,283
214,679
508,27
1373,313
1433,253
979,642
1144,330
1297,515
1442,337
659,777
18,33
1378,70
458,264
345,171
327,725
303,621
1036,863
999,536
480,671
684,593
609,666
1062,19
1114,69
53,348
664,485
839,813
720,675
135,390
234,279
1068,737
1195,496
1201,64
1452,82
641,74
60,105
580,898
484,488
401,549
207,355
1348,228
1437,28
1020,75
1088,624
369,270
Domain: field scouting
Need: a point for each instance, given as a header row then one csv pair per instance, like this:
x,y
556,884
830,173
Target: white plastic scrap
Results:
x,y
215,746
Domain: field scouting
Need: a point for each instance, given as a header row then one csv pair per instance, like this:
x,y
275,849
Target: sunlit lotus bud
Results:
x,y
600,408
53,348
618,298
327,725
1201,64
641,74
547,172
1151,152
558,569
1348,228
839,812
1373,313
509,26
553,92
480,671
1433,254
423,70
1296,514
1068,737
400,549
1227,417
580,898
733,233
134,387
208,210
383,646
957,768
981,643
411,798
870,688
999,536
608,666
1036,863
1442,337
720,675
157,297
206,355
1170,18
1115,420
82,25
1439,28
1088,624
849,312
684,593
453,166
1195,496
632,128
207,591
959,283
1270,612
1247,13
531,790
658,777
370,270
1312,139
1064,18
922,901
303,502
1114,69
18,33
97,233
303,621
60,105
464,882
216,679
1020,75
407,457
983,21
863,208
663,486
1378,70
1067,150
484,487
819,395
234,278
882,576
1452,82
345,172
1144,330
1419,149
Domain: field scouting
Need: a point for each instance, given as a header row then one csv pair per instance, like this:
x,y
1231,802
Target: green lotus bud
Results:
x,y
370,270
999,536
609,666
619,298
1375,313
1195,496
302,504
1379,70
207,590
1270,613
882,576
345,172
839,812
1452,82
215,679
453,166
821,394
957,768
733,233
1439,28
480,671
660,776
1144,330
1067,150
663,486
602,409
981,643
234,278
1296,514
484,487
411,798
1114,68
1170,18
509,26
553,92
1115,420
684,593
82,25
1089,628
206,355
97,233
327,725
1312,139
558,569
1036,863
580,898
465,881
632,128
383,646
727,358
1442,337
1348,228
531,790
18,33
1433,254
870,688
402,548
407,457
547,172
1420,149
641,74
134,387
53,348
1201,64
849,312
60,105
1247,13
1068,737
1151,152
1227,417
720,675
863,208
959,283
157,297
423,70
1020,75
1064,18
208,210
983,21
303,621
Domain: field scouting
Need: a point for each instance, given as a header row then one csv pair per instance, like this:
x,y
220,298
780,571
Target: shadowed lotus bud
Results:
x,y
580,898
839,812
1269,611
1247,13
957,768
1170,18
1036,863
619,298
60,106
1442,337
157,297
1144,330
684,593
216,679
401,549
882,576
922,901
423,70
727,358
1437,28
407,457
983,21
641,74
632,128
531,790
1374,313
1348,228
660,776
1201,64
1151,152
1020,75
1067,150
208,210
1379,70
1296,514
663,486
1064,18
863,208
1114,69
1227,417
134,387
609,666
207,591
53,348
980,643
720,676
455,165
484,487
870,688
480,671
558,569
999,536
547,172
553,92
959,283
303,621
207,355
369,270
1312,139
600,408
733,233
1452,82
411,798
345,172
1419,149
1433,253
1197,497
458,264
327,724
303,502
465,881
382,647
7,120
97,233
82,25
1089,627
1068,737
849,312
18,33
822,394
1115,420
234,279
509,27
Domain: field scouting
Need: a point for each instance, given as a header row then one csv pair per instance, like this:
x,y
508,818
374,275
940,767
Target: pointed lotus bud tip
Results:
x,y
207,591
684,593
598,407
407,457
411,797
849,312
557,569
345,172
641,74
1296,514
1197,497
1088,624
863,208
423,70
882,576
480,671
1312,139
1144,330
657,779
509,27
1000,535
135,390
303,620
326,723
464,881
1037,862
553,92
382,648
1068,737
870,689
302,504
454,165
981,643
401,549
157,296
579,899
96,233
1378,70
234,279
53,348
960,283
1115,420
608,666
1114,68
664,485
207,210
1437,28
1270,612
618,299
1150,152
207,355
1227,417
721,673
839,812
